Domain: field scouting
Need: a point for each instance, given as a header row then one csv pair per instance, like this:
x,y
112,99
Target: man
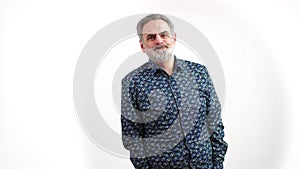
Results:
x,y
170,113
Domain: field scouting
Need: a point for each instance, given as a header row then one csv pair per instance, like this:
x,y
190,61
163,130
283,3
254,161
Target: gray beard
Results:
x,y
159,55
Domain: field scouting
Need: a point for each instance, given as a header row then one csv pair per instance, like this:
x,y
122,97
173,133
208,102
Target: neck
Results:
x,y
168,65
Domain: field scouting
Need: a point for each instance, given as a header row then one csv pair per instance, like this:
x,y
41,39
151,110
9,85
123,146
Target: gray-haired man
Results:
x,y
171,115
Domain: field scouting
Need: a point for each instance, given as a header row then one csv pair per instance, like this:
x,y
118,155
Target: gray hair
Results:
x,y
151,17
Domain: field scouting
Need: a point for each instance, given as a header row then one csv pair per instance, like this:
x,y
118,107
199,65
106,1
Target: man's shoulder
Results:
x,y
191,65
136,72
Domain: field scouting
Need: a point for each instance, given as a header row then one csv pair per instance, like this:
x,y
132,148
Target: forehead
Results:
x,y
155,26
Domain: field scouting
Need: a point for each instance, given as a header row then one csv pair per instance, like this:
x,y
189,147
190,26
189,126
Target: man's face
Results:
x,y
157,41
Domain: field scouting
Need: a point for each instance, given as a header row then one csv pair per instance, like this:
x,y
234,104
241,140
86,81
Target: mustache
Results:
x,y
160,47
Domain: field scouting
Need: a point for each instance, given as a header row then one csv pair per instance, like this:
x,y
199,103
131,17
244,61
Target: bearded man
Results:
x,y
170,112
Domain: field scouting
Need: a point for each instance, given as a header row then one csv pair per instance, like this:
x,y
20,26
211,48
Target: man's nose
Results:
x,y
158,40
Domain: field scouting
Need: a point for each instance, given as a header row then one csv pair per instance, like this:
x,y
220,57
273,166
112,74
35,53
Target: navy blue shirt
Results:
x,y
172,121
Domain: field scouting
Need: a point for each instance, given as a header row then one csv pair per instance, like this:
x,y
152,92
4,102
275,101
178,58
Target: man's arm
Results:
x,y
215,125
132,127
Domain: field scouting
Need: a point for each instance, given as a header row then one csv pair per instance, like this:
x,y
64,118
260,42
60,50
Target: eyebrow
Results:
x,y
153,34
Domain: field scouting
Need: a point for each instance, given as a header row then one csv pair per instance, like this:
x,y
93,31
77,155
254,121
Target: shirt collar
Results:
x,y
155,68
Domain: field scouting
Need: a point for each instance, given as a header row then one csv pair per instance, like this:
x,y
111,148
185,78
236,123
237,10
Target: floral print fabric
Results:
x,y
172,122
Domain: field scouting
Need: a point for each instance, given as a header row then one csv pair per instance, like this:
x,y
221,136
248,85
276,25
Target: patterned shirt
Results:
x,y
172,121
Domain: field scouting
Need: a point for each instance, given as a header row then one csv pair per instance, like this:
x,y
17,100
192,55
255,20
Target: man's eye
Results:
x,y
150,38
164,35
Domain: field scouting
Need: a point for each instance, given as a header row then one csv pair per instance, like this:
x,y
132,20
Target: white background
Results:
x,y
42,40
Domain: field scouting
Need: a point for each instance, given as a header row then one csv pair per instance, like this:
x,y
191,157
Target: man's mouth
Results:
x,y
161,46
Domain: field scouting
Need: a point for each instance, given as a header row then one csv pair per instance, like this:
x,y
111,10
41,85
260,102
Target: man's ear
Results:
x,y
142,46
174,37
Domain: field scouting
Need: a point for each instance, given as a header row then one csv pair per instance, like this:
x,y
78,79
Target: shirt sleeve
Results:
x,y
215,125
132,127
